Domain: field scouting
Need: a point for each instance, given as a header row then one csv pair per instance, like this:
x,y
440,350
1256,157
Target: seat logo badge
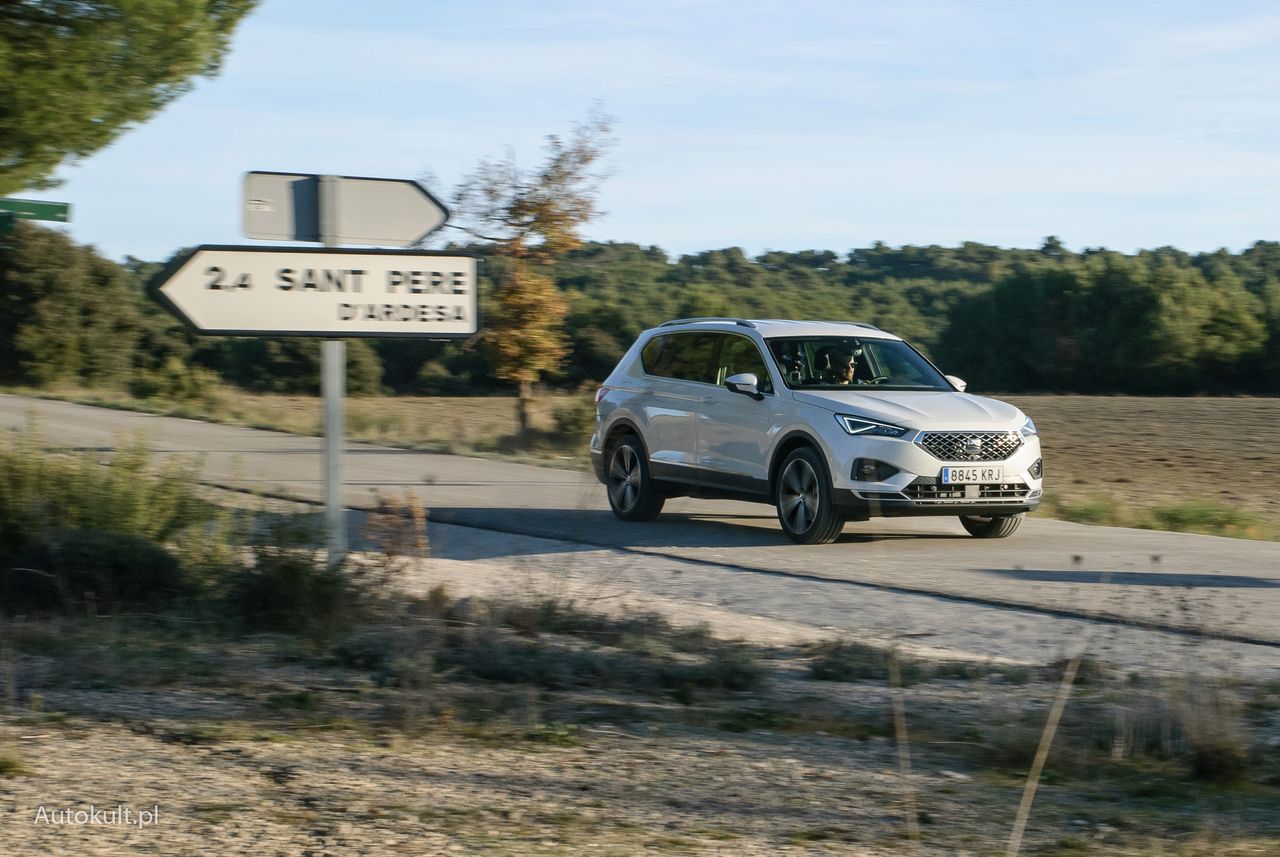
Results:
x,y
973,446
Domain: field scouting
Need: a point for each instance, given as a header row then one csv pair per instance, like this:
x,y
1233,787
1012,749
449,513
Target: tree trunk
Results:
x,y
524,407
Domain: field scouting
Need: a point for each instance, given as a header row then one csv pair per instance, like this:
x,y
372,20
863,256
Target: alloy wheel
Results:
x,y
624,478
798,496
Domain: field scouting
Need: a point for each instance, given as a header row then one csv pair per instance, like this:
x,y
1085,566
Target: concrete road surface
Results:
x,y
1224,588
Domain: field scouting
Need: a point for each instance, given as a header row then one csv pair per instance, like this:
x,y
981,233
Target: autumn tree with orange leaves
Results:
x,y
532,217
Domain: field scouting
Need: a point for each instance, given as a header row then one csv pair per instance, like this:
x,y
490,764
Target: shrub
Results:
x,y
847,661
43,493
575,421
11,765
78,569
294,590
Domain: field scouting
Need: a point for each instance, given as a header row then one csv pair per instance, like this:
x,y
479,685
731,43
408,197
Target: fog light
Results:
x,y
870,470
1037,469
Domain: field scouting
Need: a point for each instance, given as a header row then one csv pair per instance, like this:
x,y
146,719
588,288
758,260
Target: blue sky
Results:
x,y
765,125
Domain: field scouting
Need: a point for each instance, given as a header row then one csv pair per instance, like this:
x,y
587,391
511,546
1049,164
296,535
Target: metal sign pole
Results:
x,y
334,383
334,386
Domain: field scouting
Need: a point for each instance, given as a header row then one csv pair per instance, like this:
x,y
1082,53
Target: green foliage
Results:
x,y
76,570
76,533
293,365
290,587
850,661
1047,320
1189,516
11,764
67,313
174,381
77,73
577,419
42,495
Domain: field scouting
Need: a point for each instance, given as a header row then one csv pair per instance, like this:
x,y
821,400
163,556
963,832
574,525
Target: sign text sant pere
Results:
x,y
285,291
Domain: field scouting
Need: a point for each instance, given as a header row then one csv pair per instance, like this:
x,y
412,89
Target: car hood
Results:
x,y
918,409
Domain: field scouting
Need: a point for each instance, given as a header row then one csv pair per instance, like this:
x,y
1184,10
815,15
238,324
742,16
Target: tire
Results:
x,y
628,483
802,496
983,527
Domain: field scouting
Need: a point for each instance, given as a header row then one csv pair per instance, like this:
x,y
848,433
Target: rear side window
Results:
x,y
739,354
686,356
657,356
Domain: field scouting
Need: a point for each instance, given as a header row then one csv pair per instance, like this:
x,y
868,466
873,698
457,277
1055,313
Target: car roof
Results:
x,y
770,327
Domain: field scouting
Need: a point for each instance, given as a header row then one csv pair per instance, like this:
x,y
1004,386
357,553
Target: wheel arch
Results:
x,y
619,428
790,442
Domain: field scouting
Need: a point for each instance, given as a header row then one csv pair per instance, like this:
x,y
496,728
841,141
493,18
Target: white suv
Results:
x,y
828,421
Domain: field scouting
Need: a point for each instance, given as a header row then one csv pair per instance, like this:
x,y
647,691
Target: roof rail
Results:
x,y
739,321
862,324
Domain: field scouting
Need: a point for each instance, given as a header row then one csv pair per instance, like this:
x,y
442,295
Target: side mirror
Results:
x,y
958,383
746,384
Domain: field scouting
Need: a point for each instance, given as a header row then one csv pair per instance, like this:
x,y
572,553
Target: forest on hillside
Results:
x,y
1047,320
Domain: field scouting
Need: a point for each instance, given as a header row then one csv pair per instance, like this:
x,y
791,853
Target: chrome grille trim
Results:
x,y
923,492
960,445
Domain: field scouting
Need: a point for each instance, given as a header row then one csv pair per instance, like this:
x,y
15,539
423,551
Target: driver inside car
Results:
x,y
843,367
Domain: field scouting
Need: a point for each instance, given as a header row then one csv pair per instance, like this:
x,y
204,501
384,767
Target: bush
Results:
x,y
175,381
576,420
11,765
79,569
43,494
295,591
859,662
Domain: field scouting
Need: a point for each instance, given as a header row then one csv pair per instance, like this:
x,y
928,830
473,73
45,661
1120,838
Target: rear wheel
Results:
x,y
629,485
992,527
803,497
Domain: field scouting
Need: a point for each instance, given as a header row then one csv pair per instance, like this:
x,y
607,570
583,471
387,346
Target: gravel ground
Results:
x,y
213,764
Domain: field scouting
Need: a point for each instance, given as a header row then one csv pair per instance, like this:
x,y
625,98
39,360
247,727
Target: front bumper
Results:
x,y
855,506
916,488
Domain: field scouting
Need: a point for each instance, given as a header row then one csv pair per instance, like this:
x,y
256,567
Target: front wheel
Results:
x,y
630,487
803,498
984,527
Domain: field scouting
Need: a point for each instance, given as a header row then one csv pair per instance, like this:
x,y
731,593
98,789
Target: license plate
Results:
x,y
971,475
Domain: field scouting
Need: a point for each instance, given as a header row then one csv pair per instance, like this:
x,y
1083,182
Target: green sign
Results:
x,y
34,209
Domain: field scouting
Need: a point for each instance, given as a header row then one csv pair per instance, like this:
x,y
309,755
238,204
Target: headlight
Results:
x,y
1028,429
866,427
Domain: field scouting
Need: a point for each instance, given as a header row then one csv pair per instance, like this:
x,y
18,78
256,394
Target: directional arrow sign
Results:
x,y
339,209
288,291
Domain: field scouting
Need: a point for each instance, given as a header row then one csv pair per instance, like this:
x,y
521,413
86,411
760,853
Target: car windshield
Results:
x,y
838,362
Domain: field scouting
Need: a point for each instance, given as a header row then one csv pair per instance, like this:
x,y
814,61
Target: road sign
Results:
x,y
305,291
339,209
34,209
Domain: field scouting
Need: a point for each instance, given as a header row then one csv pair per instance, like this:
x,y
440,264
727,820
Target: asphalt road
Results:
x,y
1196,585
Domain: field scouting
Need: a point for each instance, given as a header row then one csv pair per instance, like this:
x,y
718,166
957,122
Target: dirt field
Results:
x,y
1160,451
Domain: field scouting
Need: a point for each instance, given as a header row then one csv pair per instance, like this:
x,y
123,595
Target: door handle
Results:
x,y
708,400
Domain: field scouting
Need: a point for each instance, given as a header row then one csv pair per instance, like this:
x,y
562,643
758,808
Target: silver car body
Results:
x,y
704,438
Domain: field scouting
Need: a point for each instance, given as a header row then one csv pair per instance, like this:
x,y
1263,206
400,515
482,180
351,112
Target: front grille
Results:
x,y
971,445
926,491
